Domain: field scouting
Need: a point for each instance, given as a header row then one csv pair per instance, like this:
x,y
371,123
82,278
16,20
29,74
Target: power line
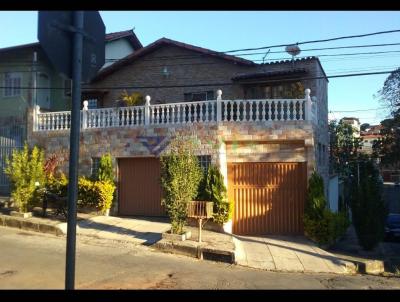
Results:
x,y
254,53
276,59
208,84
316,41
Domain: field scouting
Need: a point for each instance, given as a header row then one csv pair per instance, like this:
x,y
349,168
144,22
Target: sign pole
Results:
x,y
77,48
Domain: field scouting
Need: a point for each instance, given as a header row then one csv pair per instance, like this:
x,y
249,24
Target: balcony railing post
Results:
x,y
219,105
308,105
36,113
84,114
147,110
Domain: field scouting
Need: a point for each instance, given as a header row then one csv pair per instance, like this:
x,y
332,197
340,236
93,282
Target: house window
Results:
x,y
92,104
12,83
198,96
95,166
204,161
67,87
293,90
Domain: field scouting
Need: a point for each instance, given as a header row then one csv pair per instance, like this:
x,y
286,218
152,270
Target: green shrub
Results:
x,y
25,170
367,205
105,172
215,191
327,229
180,178
57,185
98,194
320,224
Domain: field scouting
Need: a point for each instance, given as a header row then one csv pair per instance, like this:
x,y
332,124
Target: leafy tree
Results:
x,y
344,147
364,126
367,205
26,173
180,178
387,148
390,92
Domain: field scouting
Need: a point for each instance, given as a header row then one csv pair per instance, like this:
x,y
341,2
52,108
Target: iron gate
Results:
x,y
11,138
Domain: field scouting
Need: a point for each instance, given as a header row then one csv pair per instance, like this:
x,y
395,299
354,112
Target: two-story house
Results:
x,y
264,125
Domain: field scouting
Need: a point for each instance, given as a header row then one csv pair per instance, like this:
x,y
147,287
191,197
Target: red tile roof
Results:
x,y
162,42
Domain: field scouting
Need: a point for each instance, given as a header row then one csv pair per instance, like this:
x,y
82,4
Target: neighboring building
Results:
x,y
369,137
264,130
368,142
355,122
26,67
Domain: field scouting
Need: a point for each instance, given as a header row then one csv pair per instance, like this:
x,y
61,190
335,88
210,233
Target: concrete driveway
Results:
x,y
289,254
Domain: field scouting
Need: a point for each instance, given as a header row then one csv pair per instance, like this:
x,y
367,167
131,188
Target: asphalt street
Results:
x,y
37,261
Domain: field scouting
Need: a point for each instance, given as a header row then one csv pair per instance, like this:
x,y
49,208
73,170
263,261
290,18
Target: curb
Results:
x,y
369,267
198,251
28,225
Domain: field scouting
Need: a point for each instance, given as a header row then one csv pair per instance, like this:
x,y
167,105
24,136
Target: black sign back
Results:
x,y
56,39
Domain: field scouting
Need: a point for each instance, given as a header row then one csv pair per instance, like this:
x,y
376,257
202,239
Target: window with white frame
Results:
x,y
12,84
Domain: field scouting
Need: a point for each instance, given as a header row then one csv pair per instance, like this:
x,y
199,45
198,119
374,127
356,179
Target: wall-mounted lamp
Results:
x,y
165,72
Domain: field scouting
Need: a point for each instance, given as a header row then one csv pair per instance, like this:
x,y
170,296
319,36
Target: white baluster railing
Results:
x,y
182,113
257,110
262,110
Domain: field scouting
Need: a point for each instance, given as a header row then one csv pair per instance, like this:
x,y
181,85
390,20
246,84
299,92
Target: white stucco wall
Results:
x,y
117,49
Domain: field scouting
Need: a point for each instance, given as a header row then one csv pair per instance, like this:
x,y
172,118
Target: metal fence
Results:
x,y
11,138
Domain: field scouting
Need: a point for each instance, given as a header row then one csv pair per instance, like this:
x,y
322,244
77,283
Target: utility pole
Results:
x,y
77,48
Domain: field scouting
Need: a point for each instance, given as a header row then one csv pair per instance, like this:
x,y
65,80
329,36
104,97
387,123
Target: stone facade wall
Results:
x,y
290,141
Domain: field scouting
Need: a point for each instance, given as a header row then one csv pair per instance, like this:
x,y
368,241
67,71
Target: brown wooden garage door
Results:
x,y
268,197
140,191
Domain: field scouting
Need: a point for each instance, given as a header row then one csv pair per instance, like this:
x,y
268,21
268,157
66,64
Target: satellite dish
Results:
x,y
293,50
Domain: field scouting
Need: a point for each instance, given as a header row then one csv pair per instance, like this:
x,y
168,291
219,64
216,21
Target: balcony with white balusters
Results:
x,y
206,112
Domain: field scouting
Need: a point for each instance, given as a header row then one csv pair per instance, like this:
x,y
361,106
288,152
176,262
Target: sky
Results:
x,y
227,30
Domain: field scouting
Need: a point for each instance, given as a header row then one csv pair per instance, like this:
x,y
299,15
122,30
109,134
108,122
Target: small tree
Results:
x,y
105,172
26,173
367,205
180,177
216,192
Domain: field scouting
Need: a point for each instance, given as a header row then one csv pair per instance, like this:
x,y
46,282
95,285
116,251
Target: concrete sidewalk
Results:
x,y
289,254
138,230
